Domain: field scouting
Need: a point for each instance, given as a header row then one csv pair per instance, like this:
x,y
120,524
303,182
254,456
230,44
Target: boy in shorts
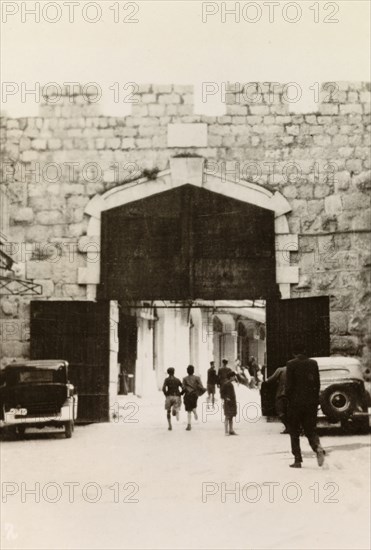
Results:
x,y
193,389
172,389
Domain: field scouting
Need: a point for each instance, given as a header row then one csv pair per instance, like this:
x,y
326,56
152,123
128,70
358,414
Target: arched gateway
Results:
x,y
182,225
185,236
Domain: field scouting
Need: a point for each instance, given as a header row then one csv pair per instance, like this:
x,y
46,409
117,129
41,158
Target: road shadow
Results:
x,y
10,437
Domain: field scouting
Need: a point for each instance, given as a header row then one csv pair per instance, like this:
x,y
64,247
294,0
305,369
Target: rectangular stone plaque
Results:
x,y
187,135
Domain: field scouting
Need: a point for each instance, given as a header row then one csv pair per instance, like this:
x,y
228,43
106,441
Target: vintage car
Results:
x,y
37,394
344,395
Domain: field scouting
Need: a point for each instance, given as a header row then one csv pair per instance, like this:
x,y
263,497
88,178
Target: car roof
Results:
x,y
337,361
39,363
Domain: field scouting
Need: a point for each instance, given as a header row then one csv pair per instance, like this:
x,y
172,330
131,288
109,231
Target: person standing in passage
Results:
x,y
193,388
230,403
253,370
172,389
237,364
212,381
240,373
302,391
279,379
223,375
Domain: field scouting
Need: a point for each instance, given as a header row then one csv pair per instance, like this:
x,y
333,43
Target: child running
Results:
x,y
172,389
193,388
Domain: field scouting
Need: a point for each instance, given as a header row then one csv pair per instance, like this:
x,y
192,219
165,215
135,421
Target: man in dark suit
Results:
x,y
302,392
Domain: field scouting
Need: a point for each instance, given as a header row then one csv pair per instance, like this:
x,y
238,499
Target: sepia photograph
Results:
x,y
185,275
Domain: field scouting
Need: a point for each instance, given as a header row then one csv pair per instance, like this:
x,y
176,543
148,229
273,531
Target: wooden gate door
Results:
x,y
78,332
289,322
187,243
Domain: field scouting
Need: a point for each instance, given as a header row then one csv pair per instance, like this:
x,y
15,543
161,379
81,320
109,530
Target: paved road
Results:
x,y
133,484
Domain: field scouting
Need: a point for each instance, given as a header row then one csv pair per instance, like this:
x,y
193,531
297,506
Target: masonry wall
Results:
x,y
55,163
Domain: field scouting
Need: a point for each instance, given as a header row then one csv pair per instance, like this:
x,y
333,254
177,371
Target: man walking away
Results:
x,y
230,403
279,379
212,380
302,391
172,389
193,388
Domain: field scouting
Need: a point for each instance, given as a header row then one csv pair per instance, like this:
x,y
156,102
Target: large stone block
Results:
x,y
341,302
346,345
339,322
39,144
37,233
326,281
148,98
365,97
342,241
262,110
66,270
293,130
321,191
54,144
23,215
113,143
351,108
144,88
167,99
363,180
354,166
29,156
9,306
39,269
333,205
355,201
49,217
307,262
139,110
156,110
237,110
143,143
328,109
11,349
162,88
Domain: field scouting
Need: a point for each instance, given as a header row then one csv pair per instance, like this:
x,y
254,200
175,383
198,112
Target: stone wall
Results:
x,y
55,163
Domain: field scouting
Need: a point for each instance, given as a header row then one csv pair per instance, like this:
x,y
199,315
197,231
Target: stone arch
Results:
x,y
190,170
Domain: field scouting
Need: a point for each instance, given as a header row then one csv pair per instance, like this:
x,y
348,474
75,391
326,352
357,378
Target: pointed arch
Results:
x,y
182,171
